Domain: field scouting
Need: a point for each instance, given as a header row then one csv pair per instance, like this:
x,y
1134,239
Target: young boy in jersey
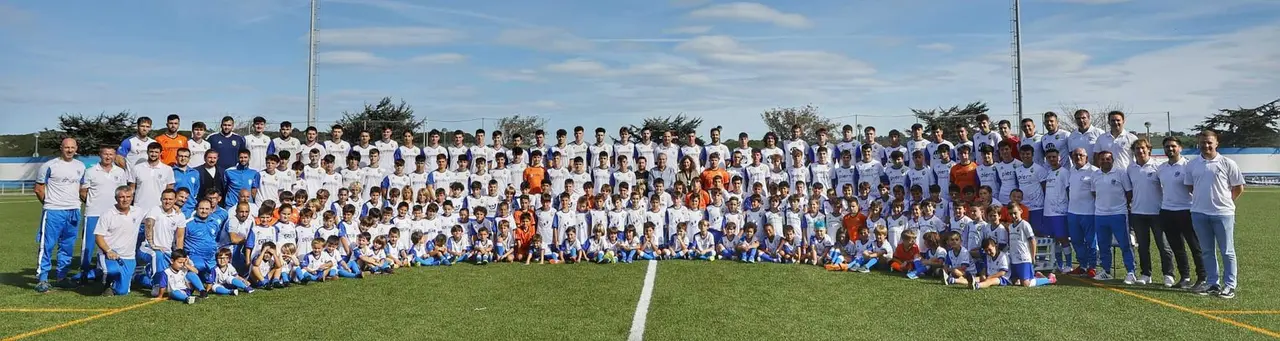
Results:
x,y
704,243
996,264
819,246
906,257
770,245
482,247
179,282
629,246
317,265
725,245
957,264
226,281
571,250
650,244
679,244
1022,247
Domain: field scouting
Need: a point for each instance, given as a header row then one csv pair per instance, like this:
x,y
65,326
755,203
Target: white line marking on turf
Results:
x,y
642,307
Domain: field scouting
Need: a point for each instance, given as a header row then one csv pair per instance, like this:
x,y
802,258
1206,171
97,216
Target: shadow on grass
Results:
x,y
26,279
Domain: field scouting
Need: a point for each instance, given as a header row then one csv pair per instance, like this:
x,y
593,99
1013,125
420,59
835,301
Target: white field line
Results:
x,y
642,307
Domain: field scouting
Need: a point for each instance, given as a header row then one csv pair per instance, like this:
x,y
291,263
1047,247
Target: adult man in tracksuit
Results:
x,y
241,178
58,189
201,240
97,191
184,176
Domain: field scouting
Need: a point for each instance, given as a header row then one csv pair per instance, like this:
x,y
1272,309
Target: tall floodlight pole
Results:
x,y
1015,21
311,66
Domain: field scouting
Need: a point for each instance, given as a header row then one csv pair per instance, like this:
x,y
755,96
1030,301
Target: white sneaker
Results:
x,y
235,292
1169,281
1103,276
191,300
1130,279
1144,280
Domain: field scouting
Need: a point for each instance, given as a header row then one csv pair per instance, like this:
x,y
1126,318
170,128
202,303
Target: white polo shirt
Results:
x,y
1211,181
1118,146
291,144
1109,192
1086,140
387,155
1146,187
1175,195
1080,190
120,230
165,227
339,150
259,146
102,184
198,149
149,181
62,180
1055,191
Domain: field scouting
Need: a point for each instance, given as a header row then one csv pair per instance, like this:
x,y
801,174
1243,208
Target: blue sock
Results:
x,y
871,263
1039,282
918,267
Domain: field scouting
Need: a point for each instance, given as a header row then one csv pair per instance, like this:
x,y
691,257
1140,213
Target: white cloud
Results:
x,y
388,36
688,30
724,50
360,58
544,39
439,58
581,67
522,75
752,12
941,47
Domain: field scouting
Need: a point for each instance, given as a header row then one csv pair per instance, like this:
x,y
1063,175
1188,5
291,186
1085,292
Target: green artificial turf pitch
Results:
x,y
690,301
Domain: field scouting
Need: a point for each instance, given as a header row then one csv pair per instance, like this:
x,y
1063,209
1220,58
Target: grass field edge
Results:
x,y
1201,313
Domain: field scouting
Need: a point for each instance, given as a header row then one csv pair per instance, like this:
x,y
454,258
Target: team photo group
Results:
x,y
189,215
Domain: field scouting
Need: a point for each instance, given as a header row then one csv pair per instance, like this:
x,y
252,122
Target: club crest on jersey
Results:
x,y
1115,182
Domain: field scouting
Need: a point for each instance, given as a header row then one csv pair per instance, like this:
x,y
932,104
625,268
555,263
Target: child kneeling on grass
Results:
x,y
180,281
906,258
704,243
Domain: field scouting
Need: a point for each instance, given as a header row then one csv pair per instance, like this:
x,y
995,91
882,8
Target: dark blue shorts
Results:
x,y
1055,227
1023,271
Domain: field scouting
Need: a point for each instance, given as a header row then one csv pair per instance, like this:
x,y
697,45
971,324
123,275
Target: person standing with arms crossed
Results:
x,y
1175,214
1216,183
58,189
97,191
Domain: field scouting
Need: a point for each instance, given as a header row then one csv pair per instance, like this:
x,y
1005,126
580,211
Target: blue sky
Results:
x,y
609,63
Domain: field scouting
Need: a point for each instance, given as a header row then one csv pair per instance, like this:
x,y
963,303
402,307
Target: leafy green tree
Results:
x,y
520,124
374,117
679,125
780,121
90,132
1242,127
950,118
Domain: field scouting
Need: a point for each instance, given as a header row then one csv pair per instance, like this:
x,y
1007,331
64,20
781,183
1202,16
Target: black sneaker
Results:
x,y
1228,292
66,283
1206,290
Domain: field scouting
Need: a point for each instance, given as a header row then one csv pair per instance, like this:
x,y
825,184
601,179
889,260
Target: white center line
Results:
x,y
642,307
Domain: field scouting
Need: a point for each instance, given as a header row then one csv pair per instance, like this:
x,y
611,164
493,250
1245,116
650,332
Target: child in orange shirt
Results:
x,y
854,221
1015,198
906,257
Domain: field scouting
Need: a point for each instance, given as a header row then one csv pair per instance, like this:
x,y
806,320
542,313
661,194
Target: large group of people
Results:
x,y
227,214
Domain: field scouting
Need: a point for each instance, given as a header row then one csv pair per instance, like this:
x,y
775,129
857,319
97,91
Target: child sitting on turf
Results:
x,y
896,222
265,274
345,265
482,247
957,264
791,248
1022,246
611,245
906,257
932,254
397,251
704,243
289,264
597,250
317,265
180,281
226,281
747,247
997,267
539,250
770,245
457,248
725,246
996,229
629,246
571,249
420,254
680,244
650,245
820,246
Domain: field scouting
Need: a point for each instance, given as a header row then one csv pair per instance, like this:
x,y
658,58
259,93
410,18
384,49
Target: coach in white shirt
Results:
x,y
1144,215
1086,135
1080,209
97,191
1117,141
1216,183
1175,213
1111,192
117,237
58,189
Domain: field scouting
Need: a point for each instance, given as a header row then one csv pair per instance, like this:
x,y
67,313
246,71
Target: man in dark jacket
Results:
x,y
211,176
